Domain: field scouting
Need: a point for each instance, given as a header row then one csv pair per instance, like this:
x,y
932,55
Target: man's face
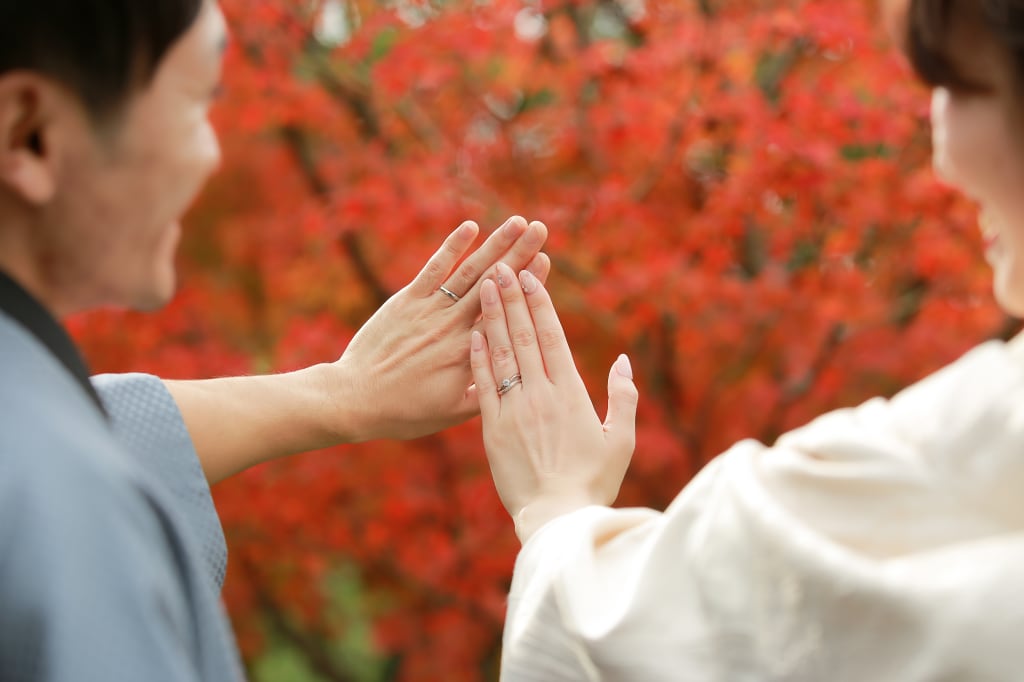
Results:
x,y
113,226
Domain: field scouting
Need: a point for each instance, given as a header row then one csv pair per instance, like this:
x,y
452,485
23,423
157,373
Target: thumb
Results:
x,y
620,424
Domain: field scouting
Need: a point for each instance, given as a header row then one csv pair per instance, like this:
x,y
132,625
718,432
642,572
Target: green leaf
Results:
x,y
383,43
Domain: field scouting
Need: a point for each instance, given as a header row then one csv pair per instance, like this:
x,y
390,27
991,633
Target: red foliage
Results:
x,y
738,196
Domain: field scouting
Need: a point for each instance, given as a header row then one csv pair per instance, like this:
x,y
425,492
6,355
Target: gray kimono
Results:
x,y
111,553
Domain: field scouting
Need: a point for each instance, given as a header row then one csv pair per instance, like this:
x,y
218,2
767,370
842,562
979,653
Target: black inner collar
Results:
x,y
28,312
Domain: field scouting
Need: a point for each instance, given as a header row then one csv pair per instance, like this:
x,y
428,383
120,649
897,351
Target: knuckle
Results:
x,y
550,338
502,354
469,272
522,337
434,269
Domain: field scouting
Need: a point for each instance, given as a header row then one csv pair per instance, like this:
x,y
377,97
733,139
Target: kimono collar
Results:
x,y
29,313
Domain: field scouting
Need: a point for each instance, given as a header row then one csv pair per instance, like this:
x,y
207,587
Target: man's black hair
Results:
x,y
102,50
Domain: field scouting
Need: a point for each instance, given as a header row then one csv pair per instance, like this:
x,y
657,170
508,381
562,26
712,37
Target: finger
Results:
x,y
554,347
440,265
520,326
540,267
522,252
527,246
503,356
466,276
620,424
483,376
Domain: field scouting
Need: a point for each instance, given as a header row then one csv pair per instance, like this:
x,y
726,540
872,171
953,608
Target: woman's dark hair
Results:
x,y
103,50
931,23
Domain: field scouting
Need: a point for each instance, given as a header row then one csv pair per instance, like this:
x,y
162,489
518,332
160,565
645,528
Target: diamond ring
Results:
x,y
506,385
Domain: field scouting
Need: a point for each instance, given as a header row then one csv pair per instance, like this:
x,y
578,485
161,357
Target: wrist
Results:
x,y
542,510
336,406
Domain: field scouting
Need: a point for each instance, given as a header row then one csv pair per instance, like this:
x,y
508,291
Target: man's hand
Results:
x,y
406,373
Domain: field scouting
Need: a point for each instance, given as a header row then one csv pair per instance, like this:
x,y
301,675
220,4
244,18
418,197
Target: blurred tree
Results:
x,y
738,196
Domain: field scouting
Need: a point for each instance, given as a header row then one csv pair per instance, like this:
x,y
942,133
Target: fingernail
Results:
x,y
466,230
505,276
533,236
488,293
478,341
537,265
513,226
528,281
623,367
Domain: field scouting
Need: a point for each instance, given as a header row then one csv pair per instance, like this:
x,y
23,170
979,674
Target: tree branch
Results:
x,y
298,141
315,653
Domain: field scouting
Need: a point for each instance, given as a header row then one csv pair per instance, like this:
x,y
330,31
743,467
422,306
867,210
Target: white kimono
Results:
x,y
881,543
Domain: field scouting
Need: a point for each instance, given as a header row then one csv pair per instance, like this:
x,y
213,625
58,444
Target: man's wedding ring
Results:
x,y
450,294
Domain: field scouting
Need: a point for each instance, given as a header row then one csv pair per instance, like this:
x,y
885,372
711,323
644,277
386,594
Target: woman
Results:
x,y
877,543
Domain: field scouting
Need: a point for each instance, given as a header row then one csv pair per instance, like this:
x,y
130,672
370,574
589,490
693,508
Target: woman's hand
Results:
x,y
549,452
405,373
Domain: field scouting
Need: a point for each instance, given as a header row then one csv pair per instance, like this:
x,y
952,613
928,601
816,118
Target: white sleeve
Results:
x,y
882,542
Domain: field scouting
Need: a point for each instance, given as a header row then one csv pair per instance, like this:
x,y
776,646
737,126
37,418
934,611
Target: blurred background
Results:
x,y
739,197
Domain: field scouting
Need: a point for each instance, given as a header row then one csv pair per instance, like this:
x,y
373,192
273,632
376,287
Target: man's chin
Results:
x,y
156,297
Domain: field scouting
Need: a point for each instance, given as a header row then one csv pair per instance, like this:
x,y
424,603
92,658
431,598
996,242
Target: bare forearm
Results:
x,y
404,374
238,422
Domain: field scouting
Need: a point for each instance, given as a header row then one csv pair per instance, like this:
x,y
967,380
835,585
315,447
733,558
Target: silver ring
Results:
x,y
506,385
450,294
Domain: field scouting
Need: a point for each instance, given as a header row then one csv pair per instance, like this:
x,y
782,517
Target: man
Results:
x,y
111,554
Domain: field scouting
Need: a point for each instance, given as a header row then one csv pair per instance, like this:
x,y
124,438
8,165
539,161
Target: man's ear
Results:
x,y
31,106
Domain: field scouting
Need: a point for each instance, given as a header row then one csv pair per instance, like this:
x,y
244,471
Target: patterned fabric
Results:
x,y
110,550
884,542
146,420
